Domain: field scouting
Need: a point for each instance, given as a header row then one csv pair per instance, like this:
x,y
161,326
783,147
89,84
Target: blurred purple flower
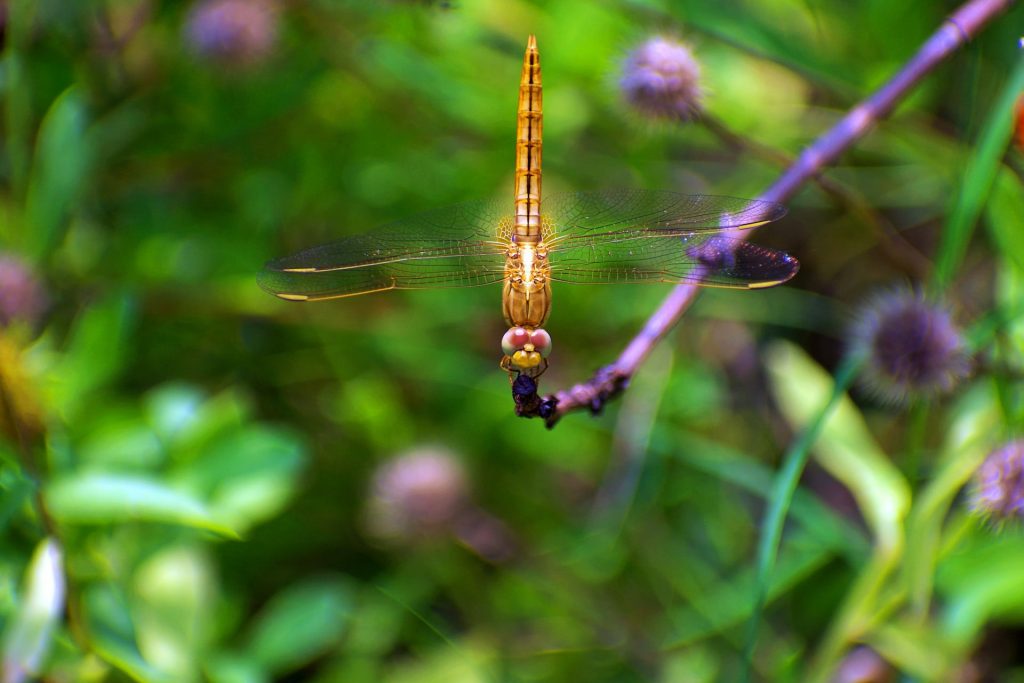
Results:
x,y
485,535
661,80
233,32
912,345
998,491
418,493
22,297
863,665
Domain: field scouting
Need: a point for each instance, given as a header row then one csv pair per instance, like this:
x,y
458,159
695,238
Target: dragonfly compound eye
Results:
x,y
541,341
514,340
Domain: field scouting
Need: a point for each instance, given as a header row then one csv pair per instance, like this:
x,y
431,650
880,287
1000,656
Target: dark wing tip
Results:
x,y
775,268
738,263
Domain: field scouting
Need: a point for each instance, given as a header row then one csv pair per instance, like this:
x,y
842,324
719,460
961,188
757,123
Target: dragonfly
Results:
x,y
606,237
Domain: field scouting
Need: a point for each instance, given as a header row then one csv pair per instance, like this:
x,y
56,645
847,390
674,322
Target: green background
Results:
x,y
207,452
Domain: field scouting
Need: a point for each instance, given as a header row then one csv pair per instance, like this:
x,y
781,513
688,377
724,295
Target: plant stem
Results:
x,y
915,441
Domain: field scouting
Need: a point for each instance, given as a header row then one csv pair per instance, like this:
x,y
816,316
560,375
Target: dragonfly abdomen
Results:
x,y
529,124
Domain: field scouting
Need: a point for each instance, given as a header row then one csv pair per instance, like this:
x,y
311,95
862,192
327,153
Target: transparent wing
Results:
x,y
457,246
629,214
708,260
430,273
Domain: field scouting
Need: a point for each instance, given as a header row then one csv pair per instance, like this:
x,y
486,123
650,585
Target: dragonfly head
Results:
x,y
526,347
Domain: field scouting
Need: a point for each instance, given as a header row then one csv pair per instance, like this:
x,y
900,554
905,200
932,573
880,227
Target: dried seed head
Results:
x,y
661,80
418,493
22,298
998,491
234,33
913,348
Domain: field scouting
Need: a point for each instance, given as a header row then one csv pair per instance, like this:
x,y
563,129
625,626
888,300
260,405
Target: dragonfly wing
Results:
x,y
633,213
421,273
708,260
457,246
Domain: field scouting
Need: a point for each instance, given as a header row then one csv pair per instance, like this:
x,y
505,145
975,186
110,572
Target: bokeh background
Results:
x,y
201,482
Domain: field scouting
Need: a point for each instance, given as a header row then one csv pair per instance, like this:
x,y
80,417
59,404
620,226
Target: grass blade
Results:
x,y
979,176
782,495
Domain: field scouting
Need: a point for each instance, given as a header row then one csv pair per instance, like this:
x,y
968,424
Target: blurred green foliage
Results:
x,y
191,470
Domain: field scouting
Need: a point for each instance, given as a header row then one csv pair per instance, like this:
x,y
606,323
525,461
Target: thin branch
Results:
x,y
611,380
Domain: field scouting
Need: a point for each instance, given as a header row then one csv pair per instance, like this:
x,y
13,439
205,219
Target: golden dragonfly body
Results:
x,y
605,237
526,299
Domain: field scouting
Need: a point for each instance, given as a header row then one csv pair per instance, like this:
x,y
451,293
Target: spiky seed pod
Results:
x,y
234,33
22,298
661,80
418,493
913,348
998,489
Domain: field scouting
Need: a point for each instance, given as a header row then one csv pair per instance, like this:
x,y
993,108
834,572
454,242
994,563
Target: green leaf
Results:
x,y
99,498
247,476
1005,216
974,424
916,649
845,448
95,353
810,424
820,521
172,602
187,420
15,490
120,440
63,157
230,668
111,629
301,623
463,662
17,92
982,582
29,634
727,603
173,408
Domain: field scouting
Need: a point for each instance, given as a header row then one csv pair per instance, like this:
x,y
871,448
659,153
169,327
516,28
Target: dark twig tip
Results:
x,y
547,407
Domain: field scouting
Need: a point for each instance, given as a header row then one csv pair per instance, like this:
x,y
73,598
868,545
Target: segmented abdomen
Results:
x,y
528,148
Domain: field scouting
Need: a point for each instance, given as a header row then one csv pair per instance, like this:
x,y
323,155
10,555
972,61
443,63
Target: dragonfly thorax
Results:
x,y
526,300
